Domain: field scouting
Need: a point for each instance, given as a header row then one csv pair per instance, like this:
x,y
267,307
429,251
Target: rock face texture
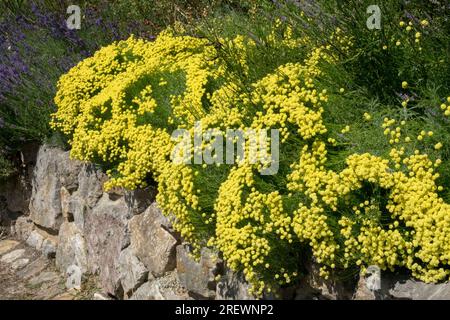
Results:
x,y
26,274
107,235
71,248
123,240
152,242
166,287
415,290
53,171
232,286
132,272
198,276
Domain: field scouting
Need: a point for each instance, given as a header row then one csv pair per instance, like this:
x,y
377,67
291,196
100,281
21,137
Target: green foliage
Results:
x,y
37,48
364,91
6,168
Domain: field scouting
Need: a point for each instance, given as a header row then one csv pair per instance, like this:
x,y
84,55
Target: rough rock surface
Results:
x,y
22,227
90,185
416,290
7,245
106,233
53,170
232,286
35,240
26,274
42,241
152,242
132,272
71,248
12,256
74,277
166,287
312,286
198,277
369,284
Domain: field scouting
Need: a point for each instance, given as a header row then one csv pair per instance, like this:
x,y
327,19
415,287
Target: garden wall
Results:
x,y
122,238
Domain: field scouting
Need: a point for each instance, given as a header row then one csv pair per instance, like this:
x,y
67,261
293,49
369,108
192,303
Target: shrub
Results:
x,y
343,191
36,48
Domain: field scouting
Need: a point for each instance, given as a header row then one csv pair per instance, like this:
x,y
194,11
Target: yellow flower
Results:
x,y
346,129
108,107
404,84
438,146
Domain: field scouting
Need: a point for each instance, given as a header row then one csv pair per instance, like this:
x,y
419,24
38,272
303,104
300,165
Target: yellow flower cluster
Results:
x,y
411,28
412,203
446,107
120,106
253,226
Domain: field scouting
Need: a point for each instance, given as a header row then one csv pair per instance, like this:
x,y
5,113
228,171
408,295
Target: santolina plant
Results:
x,y
120,107
227,147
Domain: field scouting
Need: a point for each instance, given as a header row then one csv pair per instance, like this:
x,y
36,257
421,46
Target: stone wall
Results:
x,y
123,239
120,236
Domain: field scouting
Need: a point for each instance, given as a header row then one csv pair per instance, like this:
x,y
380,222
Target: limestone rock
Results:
x,y
166,287
132,272
12,256
106,234
7,245
47,276
76,206
74,277
43,241
23,227
53,170
90,184
142,199
416,290
74,209
232,286
369,284
152,242
35,240
100,296
71,248
49,246
198,277
20,263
